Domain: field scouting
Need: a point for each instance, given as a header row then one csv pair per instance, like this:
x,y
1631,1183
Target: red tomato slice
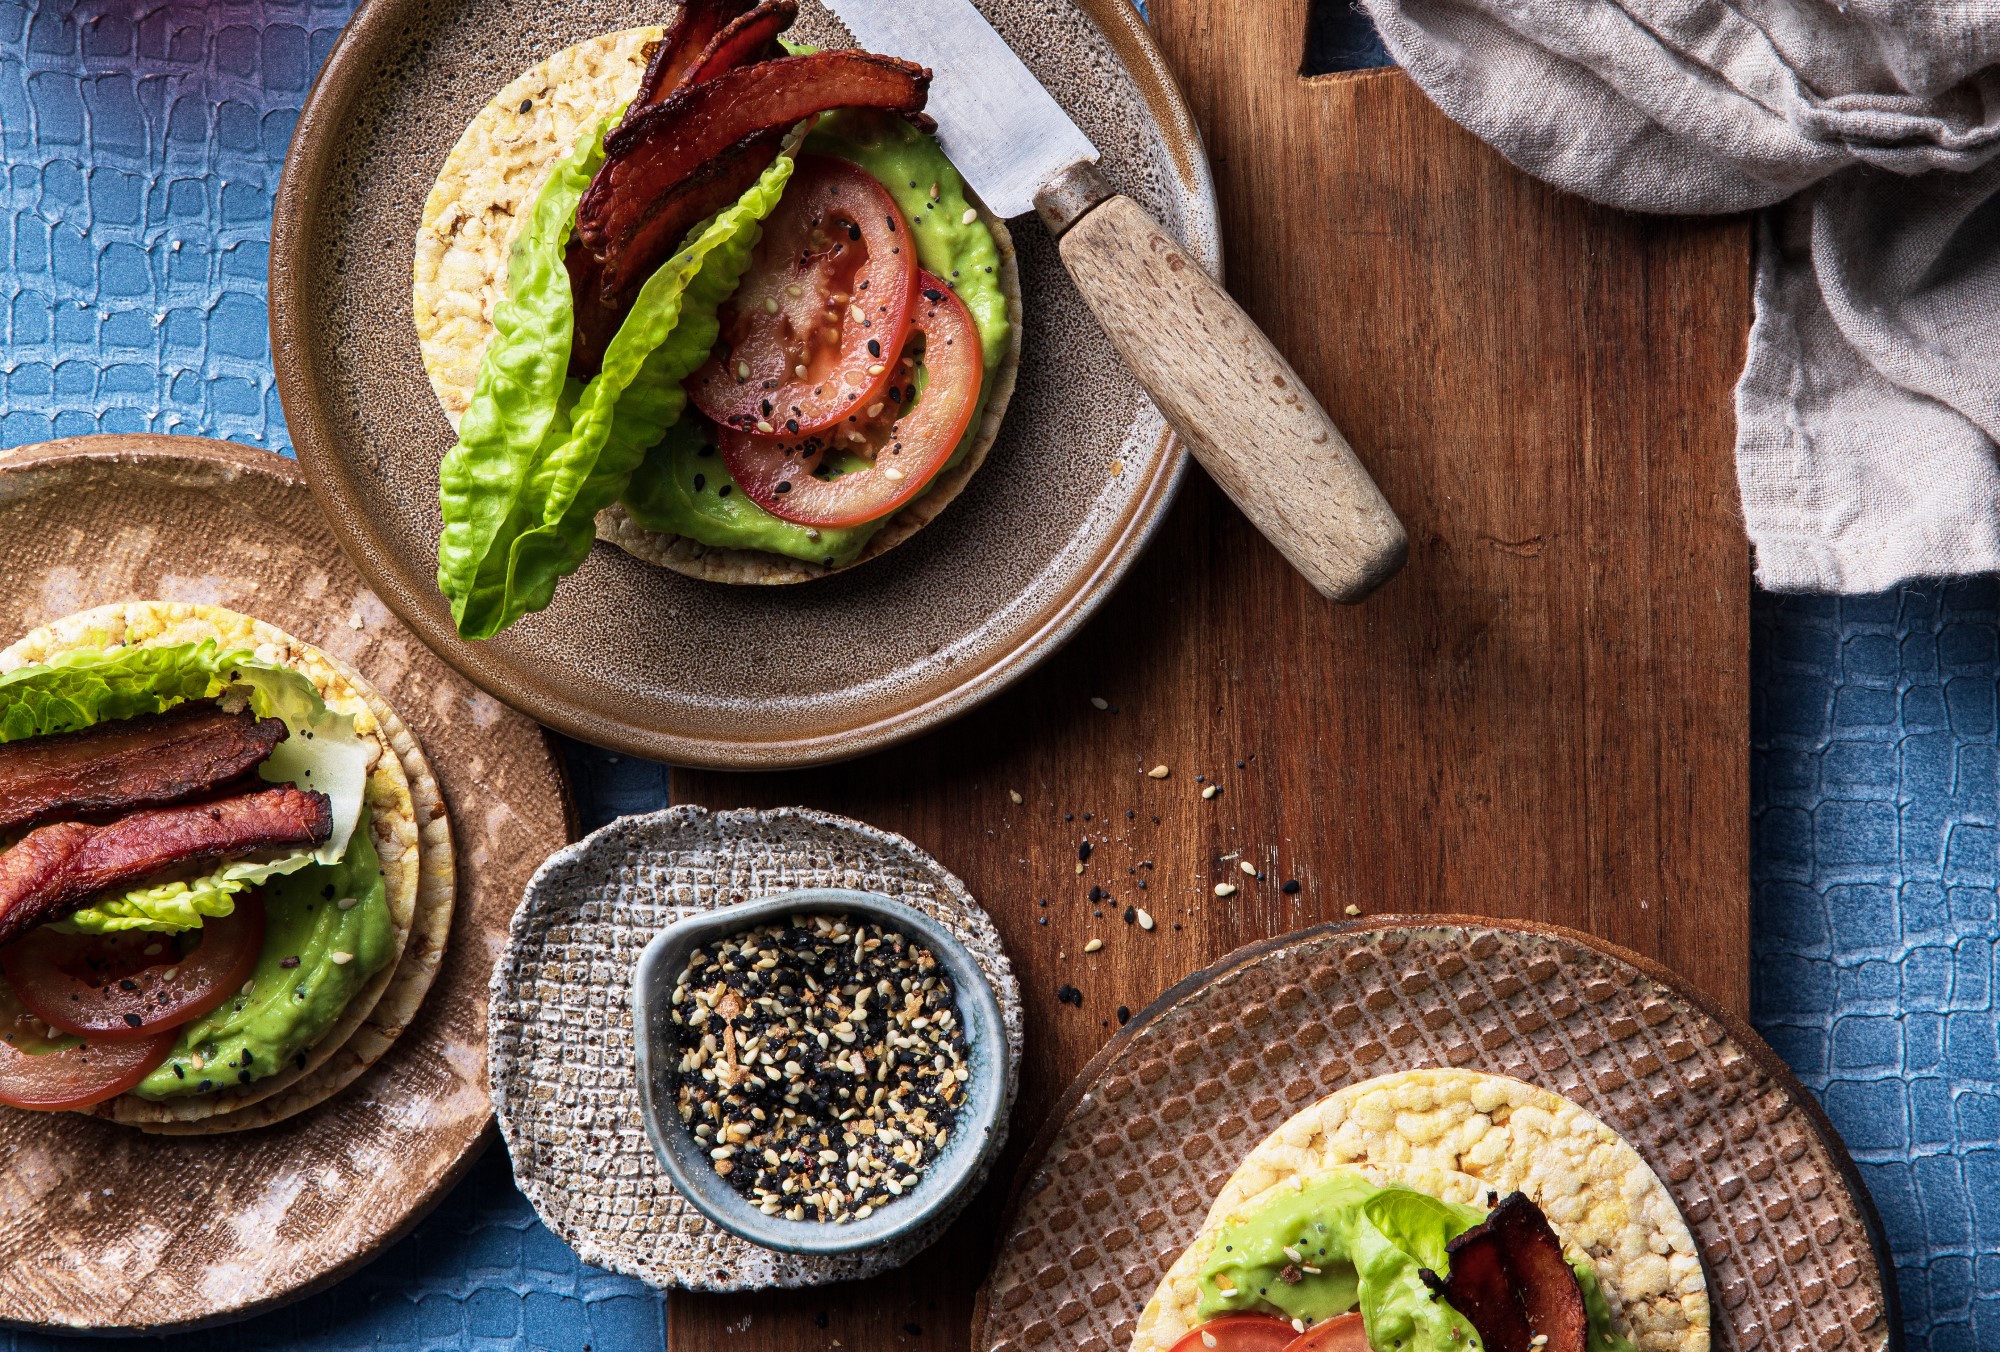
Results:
x,y
777,472
120,987
812,331
1238,1333
50,1076
1344,1333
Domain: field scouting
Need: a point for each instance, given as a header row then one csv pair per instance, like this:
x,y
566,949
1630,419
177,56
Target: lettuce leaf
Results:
x,y
87,686
1419,1224
521,490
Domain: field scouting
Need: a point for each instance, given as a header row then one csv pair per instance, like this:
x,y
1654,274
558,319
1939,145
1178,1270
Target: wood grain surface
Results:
x,y
105,1227
1236,402
1545,715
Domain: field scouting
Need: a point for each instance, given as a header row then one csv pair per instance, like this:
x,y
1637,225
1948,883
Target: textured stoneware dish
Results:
x,y
946,1185
1118,1182
639,658
104,1227
563,1056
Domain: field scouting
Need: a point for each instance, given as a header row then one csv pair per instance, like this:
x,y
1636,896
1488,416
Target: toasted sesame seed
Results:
x,y
1158,772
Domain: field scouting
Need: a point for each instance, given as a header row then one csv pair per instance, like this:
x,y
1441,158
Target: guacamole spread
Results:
x,y
683,488
299,989
1340,1241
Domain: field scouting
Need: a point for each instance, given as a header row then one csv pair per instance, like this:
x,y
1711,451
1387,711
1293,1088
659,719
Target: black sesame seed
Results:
x,y
1291,887
1124,1016
723,491
526,104
1069,995
1083,852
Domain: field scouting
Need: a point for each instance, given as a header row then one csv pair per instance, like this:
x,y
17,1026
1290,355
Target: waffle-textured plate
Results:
x,y
643,659
1120,1179
103,1226
565,1082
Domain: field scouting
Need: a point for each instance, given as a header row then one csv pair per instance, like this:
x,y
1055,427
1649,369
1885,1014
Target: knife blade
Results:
x,y
996,122
1218,380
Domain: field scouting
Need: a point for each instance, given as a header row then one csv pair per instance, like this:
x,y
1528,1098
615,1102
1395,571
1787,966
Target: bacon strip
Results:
x,y
632,217
687,38
57,868
752,37
149,761
1510,1280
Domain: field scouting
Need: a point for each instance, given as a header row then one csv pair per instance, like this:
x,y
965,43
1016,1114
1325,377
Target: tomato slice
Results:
x,y
121,987
1343,1333
1238,1333
53,1075
812,331
778,472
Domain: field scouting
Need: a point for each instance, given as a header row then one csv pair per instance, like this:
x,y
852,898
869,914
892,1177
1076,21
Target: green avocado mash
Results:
x,y
288,1009
1368,1244
678,488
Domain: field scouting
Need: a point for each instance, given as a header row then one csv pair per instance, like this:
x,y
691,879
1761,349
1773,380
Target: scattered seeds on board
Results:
x,y
1093,945
1225,889
821,1064
1351,909
1211,791
1158,772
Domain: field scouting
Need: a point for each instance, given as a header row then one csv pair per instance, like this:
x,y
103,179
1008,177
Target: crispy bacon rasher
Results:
x,y
1509,1278
54,869
141,762
695,27
636,209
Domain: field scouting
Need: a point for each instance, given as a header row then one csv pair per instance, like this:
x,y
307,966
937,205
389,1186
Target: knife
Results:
x,y
1230,394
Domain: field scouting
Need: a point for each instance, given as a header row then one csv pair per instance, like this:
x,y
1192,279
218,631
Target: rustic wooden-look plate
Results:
x,y
642,659
106,1227
1118,1182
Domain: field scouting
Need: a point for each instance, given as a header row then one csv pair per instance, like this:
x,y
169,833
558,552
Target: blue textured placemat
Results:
x,y
142,145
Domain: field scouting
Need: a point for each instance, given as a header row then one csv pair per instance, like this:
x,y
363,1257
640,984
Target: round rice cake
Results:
x,y
1460,1135
484,192
408,827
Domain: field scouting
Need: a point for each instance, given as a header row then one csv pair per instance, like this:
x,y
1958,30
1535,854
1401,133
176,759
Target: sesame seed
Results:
x,y
764,426
1145,919
1158,772
1225,889
1211,791
348,903
1351,909
340,957
1093,945
1014,796
969,217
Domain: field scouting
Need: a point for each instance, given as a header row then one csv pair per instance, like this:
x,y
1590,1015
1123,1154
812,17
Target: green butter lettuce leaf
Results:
x,y
1419,1224
521,489
87,686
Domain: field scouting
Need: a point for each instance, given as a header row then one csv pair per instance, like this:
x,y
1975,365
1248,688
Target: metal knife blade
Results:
x,y
995,121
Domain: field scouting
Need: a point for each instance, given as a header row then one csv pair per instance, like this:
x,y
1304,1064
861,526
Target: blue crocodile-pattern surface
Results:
x,y
142,143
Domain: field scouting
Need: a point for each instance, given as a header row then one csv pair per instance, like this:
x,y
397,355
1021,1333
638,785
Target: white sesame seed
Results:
x,y
877,369
1158,772
1294,1254
1351,909
892,474
969,217
348,903
340,957
1248,868
1145,919
764,426
1211,791
1093,945
1014,795
742,370
1207,1338
1099,702
1225,889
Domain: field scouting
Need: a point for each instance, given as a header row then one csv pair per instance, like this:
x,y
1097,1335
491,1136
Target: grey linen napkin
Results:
x,y
1868,412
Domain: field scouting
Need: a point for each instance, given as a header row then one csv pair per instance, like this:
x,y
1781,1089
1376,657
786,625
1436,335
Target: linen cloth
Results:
x,y
1868,412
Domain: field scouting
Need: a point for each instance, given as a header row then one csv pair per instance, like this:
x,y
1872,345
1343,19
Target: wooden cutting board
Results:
x,y
1545,716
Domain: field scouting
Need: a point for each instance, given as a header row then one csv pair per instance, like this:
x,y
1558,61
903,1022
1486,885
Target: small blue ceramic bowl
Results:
x,y
945,1186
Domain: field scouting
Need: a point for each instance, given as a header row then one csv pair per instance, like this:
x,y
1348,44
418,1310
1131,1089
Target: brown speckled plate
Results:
x,y
107,1227
645,660
1118,1182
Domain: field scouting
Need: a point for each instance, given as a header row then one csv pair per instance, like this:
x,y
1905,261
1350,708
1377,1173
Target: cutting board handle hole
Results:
x,y
1340,36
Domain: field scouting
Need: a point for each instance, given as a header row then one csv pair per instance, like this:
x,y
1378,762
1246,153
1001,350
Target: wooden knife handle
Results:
x,y
1233,398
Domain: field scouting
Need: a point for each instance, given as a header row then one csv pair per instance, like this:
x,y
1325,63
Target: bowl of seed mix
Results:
x,y
820,1072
